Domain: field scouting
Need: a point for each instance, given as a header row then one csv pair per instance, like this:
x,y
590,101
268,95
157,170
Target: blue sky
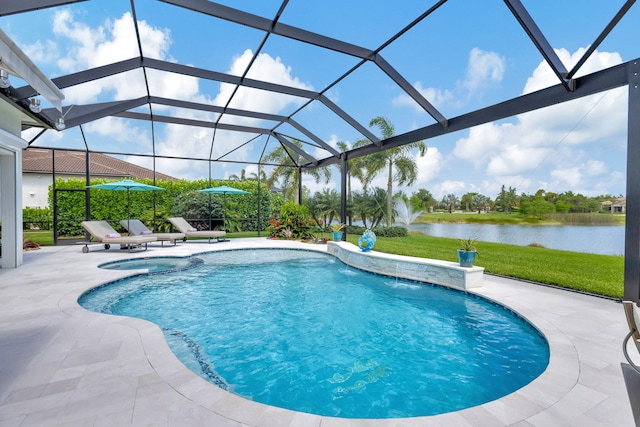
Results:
x,y
467,55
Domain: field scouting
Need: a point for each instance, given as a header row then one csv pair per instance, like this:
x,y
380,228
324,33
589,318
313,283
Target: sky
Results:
x,y
465,56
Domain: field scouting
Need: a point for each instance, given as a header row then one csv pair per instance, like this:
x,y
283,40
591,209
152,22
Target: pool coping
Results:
x,y
536,403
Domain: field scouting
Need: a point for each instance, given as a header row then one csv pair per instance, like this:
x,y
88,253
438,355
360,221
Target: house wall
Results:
x,y
35,190
35,187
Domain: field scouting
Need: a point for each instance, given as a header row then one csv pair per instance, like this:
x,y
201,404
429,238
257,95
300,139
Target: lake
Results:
x,y
596,239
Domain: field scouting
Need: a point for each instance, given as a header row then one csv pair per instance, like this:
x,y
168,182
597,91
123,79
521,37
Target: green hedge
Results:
x,y
179,198
394,231
37,219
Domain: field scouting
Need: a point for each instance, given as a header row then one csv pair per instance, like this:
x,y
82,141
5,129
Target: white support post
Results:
x,y
11,198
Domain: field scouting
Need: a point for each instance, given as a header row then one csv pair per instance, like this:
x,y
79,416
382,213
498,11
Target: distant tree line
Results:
x,y
536,205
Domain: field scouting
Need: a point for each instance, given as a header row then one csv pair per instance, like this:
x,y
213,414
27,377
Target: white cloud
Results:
x,y
553,144
543,76
449,187
574,176
437,97
90,47
42,52
265,68
483,70
571,177
429,166
118,130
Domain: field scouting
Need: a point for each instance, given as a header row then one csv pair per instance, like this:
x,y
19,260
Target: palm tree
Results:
x,y
329,204
375,205
399,161
286,173
254,176
242,177
357,169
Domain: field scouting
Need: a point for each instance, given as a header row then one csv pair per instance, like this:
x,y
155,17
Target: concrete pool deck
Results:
x,y
63,365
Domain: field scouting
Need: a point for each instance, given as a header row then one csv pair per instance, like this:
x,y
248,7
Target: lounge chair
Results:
x,y
632,312
135,227
102,232
189,231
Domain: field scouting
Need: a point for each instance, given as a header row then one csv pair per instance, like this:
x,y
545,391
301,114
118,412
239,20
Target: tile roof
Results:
x,y
73,162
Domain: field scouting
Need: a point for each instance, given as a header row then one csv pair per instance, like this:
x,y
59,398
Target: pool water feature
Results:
x,y
303,331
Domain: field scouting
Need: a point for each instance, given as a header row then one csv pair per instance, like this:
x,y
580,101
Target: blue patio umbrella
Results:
x,y
224,190
128,185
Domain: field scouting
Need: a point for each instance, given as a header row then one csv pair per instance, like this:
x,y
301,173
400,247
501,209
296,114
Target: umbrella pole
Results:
x,y
224,215
127,247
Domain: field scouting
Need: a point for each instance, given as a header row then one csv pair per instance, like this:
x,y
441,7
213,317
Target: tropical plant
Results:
x,y
336,228
242,177
293,223
506,200
425,198
449,202
357,168
399,161
197,206
328,204
287,173
260,176
377,201
468,244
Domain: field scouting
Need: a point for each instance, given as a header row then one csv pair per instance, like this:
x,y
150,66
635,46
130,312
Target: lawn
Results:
x,y
592,273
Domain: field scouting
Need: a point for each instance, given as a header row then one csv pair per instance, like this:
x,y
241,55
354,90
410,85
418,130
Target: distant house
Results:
x,y
38,168
618,205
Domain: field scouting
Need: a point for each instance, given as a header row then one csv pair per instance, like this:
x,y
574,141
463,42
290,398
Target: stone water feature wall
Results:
x,y
434,271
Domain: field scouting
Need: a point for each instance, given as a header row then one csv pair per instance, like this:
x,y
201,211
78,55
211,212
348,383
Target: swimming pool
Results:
x,y
360,345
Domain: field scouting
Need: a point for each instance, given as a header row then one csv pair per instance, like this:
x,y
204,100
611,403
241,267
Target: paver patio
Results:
x,y
63,365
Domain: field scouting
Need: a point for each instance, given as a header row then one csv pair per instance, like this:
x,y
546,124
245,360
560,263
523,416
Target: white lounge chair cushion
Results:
x,y
183,226
100,230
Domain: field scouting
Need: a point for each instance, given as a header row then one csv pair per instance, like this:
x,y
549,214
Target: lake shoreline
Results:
x,y
499,218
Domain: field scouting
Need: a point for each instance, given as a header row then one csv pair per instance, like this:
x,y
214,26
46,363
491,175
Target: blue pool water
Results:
x,y
303,331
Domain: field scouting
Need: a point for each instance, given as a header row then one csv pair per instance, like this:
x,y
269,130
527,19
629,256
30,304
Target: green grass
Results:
x,y
592,273
44,237
597,274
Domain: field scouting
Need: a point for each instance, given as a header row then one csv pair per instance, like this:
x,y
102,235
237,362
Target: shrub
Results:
x,y
293,223
176,200
194,207
37,218
394,231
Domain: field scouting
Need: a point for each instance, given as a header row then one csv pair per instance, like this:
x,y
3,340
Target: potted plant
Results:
x,y
467,254
337,231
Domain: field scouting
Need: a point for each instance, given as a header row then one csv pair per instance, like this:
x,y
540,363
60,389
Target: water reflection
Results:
x,y
606,240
